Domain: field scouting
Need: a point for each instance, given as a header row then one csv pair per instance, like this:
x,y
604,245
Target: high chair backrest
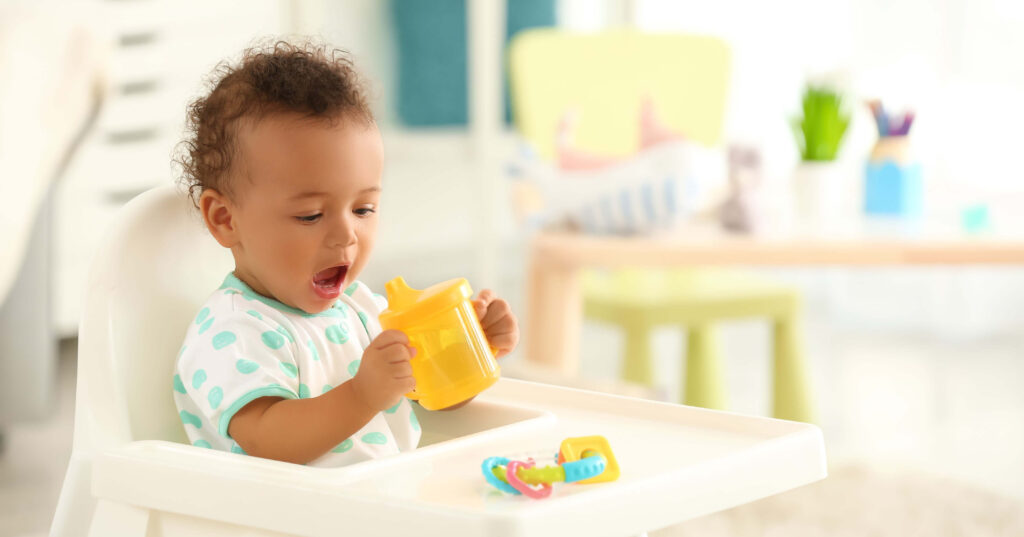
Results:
x,y
158,264
604,77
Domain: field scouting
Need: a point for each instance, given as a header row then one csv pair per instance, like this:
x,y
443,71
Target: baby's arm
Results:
x,y
301,430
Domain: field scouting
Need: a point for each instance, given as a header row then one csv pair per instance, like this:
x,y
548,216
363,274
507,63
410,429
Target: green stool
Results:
x,y
637,300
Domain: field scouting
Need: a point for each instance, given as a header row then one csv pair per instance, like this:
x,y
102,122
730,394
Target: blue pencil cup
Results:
x,y
893,189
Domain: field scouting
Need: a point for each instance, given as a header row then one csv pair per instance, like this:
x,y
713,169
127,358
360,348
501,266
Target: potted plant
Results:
x,y
819,132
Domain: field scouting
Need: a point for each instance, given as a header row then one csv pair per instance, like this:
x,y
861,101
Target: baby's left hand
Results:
x,y
500,325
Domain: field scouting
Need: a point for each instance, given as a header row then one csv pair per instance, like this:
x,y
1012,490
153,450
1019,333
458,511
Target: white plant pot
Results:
x,y
820,196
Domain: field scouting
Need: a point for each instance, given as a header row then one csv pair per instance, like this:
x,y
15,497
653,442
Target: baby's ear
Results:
x,y
218,216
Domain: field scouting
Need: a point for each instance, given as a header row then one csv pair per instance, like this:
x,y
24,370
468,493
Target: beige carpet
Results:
x,y
856,501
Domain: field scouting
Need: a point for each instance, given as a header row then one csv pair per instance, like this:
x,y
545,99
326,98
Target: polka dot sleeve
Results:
x,y
229,362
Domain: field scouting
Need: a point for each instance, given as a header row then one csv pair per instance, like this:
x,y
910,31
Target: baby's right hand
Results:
x,y
385,374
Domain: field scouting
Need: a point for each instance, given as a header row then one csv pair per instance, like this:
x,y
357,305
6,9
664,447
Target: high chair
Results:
x,y
133,474
604,77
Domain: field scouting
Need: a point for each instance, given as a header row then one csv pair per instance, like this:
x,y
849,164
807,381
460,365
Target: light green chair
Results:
x,y
605,76
638,300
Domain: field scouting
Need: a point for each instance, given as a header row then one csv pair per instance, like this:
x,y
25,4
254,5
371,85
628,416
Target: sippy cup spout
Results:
x,y
400,295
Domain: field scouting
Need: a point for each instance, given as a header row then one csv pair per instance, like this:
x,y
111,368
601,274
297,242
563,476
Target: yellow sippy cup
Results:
x,y
453,361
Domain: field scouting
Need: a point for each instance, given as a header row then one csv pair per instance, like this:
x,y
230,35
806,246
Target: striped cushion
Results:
x,y
656,189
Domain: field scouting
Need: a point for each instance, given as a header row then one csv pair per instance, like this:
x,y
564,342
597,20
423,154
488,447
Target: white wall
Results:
x,y
953,61
957,63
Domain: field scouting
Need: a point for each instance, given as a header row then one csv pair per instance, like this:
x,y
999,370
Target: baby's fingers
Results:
x,y
389,337
401,370
482,302
497,311
504,343
398,354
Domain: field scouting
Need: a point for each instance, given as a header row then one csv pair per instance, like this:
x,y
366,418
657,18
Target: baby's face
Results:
x,y
308,196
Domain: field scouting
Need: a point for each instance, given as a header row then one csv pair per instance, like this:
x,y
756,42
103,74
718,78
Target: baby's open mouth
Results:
x,y
327,283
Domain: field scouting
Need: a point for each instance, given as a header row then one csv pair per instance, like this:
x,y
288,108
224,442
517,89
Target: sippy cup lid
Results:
x,y
409,306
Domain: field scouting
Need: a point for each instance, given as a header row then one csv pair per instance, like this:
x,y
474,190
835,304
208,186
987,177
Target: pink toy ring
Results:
x,y
510,475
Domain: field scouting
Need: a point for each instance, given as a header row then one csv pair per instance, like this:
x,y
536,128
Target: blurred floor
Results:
x,y
949,413
857,500
35,457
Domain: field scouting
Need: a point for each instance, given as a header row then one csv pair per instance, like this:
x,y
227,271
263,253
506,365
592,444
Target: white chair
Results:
x,y
157,265
132,474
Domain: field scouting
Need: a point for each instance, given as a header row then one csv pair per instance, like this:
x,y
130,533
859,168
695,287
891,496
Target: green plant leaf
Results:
x,y
820,131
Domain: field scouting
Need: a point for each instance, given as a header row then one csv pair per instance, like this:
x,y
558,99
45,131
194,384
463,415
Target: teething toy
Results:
x,y
586,459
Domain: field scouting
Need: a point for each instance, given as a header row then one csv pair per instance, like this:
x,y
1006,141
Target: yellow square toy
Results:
x,y
574,449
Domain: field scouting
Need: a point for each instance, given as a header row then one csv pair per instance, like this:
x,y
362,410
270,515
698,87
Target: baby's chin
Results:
x,y
313,308
310,306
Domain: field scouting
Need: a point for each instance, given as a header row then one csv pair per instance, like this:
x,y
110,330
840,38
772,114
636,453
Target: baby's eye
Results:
x,y
310,218
364,211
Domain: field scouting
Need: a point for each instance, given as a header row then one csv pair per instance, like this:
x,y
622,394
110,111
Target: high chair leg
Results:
x,y
112,518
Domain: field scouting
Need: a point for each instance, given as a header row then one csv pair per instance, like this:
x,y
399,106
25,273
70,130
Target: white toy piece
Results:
x,y
132,475
740,212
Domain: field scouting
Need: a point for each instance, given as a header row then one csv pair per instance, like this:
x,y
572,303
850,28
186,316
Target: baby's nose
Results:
x,y
344,234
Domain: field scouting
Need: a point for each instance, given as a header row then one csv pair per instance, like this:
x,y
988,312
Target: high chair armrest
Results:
x,y
225,487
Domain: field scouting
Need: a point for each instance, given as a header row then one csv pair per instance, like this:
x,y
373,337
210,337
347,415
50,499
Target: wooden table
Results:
x,y
555,301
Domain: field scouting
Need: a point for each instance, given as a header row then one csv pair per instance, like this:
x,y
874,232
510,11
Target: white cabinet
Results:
x,y
161,53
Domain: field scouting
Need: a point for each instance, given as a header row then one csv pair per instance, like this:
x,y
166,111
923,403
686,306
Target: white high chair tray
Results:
x,y
676,463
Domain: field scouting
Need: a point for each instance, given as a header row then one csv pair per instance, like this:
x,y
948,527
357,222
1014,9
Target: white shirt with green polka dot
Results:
x,y
242,346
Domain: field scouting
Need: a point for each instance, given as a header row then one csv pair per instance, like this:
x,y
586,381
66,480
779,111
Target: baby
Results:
x,y
286,360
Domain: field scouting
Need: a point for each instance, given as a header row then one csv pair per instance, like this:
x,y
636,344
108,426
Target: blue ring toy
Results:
x,y
488,468
585,468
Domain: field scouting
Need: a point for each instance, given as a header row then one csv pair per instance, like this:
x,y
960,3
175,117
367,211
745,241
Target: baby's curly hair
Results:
x,y
309,79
